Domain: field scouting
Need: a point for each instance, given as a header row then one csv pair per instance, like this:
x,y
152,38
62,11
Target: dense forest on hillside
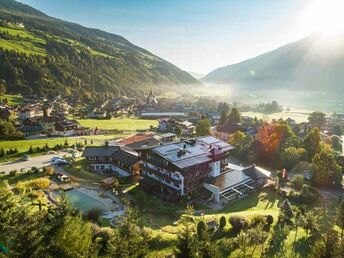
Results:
x,y
47,56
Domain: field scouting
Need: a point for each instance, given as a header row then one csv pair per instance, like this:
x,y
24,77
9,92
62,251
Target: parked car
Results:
x,y
51,152
25,157
62,163
56,158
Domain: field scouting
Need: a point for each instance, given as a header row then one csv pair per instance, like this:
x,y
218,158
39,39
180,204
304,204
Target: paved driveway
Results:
x,y
39,162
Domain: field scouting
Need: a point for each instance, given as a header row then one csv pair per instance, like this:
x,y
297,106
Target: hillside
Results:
x,y
313,63
47,56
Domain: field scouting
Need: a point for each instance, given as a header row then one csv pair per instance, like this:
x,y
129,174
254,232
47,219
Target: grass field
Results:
x,y
24,145
165,228
79,170
25,42
122,124
13,99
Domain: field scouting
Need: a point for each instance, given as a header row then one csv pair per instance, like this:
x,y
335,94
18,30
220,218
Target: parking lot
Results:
x,y
38,162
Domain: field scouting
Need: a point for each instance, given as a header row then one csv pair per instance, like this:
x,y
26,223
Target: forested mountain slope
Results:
x,y
315,63
47,56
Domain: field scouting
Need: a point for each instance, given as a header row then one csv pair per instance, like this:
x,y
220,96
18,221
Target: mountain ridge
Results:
x,y
69,58
313,63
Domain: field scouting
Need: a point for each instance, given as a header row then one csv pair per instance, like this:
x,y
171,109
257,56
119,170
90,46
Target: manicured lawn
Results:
x,y
122,124
79,170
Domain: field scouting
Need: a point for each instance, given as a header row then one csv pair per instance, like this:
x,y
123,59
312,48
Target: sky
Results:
x,y
195,35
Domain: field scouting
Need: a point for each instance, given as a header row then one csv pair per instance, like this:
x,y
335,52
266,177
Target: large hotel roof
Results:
x,y
192,152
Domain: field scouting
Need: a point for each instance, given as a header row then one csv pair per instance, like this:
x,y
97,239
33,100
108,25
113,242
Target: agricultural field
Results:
x,y
25,43
121,124
12,99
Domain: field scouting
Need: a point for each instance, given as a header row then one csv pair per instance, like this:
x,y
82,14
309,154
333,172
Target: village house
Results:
x,y
65,128
112,159
31,111
170,125
140,141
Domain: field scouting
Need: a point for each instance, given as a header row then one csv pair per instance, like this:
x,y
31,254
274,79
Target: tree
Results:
x,y
336,143
74,238
258,237
186,246
325,168
271,140
340,218
129,240
312,142
317,119
178,131
238,223
222,222
2,152
291,156
297,181
2,87
234,116
201,229
28,233
203,127
8,131
286,212
300,220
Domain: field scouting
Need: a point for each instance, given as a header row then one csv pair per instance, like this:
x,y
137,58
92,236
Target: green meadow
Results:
x,y
122,124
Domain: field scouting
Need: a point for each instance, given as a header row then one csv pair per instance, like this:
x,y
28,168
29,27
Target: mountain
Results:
x,y
314,63
196,75
47,56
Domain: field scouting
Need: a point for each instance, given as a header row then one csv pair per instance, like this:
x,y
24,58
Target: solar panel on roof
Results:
x,y
230,179
192,161
163,150
208,140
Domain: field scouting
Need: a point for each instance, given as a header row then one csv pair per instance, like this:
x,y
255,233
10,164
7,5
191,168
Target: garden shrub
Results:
x,y
238,223
222,222
257,220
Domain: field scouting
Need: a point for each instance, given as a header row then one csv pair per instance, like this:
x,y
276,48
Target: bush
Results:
x,y
93,214
49,171
34,170
297,181
238,223
34,184
222,222
269,219
2,152
13,173
308,194
201,228
257,220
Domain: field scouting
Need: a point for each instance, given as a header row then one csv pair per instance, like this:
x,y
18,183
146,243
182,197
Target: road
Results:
x,y
38,162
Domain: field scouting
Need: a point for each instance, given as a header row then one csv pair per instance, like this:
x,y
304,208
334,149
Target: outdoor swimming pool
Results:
x,y
84,201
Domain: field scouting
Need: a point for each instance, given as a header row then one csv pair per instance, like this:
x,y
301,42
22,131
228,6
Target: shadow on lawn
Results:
x,y
243,204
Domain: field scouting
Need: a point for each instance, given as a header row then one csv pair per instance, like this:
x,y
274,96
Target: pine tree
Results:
x,y
2,152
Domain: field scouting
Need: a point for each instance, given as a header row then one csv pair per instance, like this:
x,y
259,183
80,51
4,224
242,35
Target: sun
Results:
x,y
324,16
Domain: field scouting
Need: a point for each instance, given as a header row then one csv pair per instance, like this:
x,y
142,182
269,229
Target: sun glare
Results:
x,y
324,16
